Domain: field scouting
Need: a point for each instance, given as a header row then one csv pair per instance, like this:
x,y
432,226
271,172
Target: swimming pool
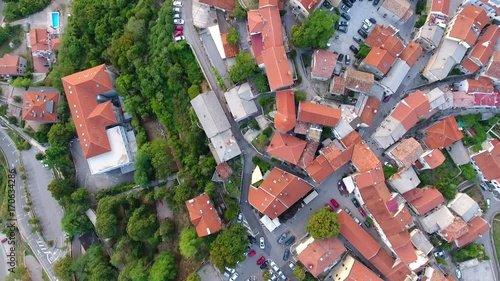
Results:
x,y
55,19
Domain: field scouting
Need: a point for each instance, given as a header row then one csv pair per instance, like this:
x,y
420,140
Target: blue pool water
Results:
x,y
55,19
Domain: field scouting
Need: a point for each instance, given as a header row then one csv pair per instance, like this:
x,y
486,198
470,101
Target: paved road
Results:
x,y
487,239
45,256
3,261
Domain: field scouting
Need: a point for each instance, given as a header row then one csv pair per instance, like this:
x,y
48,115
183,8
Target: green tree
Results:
x,y
193,277
244,68
315,30
143,168
62,268
189,242
363,50
449,191
193,91
39,156
74,221
468,172
164,267
266,275
61,188
106,219
161,159
421,21
229,247
94,265
323,224
261,82
142,224
233,37
389,171
81,198
166,231
300,96
21,82
298,272
238,13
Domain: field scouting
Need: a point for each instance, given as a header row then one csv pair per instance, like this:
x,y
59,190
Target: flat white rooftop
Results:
x,y
119,155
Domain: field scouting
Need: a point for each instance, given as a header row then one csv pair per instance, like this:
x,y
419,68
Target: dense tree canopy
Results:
x,y
315,30
244,68
61,188
164,268
189,242
233,37
94,265
229,247
62,268
323,224
142,224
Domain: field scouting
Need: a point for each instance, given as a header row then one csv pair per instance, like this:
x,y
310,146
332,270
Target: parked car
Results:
x,y
177,4
327,5
178,21
367,22
372,20
290,241
252,239
345,8
458,273
340,58
334,203
387,98
357,221
286,254
355,202
283,237
251,253
261,260
343,22
179,27
177,16
281,275
179,38
264,265
365,27
4,240
262,243
354,49
347,3
488,202
347,60
291,265
178,33
230,270
367,224
375,2
329,207
342,28
240,218
347,211
234,276
274,266
363,33
177,10
440,253
357,39
362,211
345,16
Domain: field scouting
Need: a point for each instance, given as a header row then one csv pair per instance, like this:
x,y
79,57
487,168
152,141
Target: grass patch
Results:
x,y
389,171
15,36
262,140
21,144
268,104
496,235
442,175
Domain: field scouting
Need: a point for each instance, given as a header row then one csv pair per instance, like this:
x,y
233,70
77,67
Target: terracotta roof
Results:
x,y
323,64
278,70
318,114
278,192
279,3
351,139
90,118
393,45
469,18
335,156
406,252
255,21
307,156
435,158
364,159
418,103
337,86
406,152
203,215
319,169
492,99
477,227
55,44
387,265
285,117
379,35
401,8
224,170
309,5
424,200
320,254
360,272
481,85
493,68
462,99
432,274
9,65
442,134
380,59
369,111
405,115
38,40
268,18
357,236
227,5
286,147
40,106
469,65
483,49
412,52
476,13
441,6
229,50
489,163
456,229
359,81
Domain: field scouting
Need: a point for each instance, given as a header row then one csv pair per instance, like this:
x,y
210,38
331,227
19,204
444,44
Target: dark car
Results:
x,y
327,5
355,202
372,20
340,58
362,211
340,185
264,265
375,2
354,49
362,33
290,241
261,260
342,28
357,39
252,239
367,224
283,237
387,98
343,22
345,16
334,203
347,3
286,254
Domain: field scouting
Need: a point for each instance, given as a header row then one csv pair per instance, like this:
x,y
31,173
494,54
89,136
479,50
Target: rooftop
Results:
x,y
353,270
323,64
286,147
420,241
401,8
8,64
454,230
437,220
369,111
465,207
203,215
443,133
277,67
210,113
468,24
320,254
319,169
223,170
240,106
434,158
489,163
285,117
424,200
40,106
406,152
493,68
477,227
337,86
318,114
380,59
480,85
227,5
359,81
440,6
308,155
357,236
229,50
484,47
38,40
412,52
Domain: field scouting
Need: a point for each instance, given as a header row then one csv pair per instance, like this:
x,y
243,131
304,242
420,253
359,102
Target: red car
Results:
x,y
329,207
4,240
334,203
178,33
261,260
251,253
362,211
178,27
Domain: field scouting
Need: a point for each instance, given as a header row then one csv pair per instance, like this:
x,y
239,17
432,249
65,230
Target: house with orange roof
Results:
x,y
203,215
91,98
492,69
481,52
411,53
480,85
487,164
40,105
431,159
322,65
396,11
379,35
337,86
224,5
286,147
476,228
319,256
405,153
302,8
423,200
12,66
443,133
230,50
319,169
378,61
277,192
351,269
370,109
314,113
39,42
358,81
284,120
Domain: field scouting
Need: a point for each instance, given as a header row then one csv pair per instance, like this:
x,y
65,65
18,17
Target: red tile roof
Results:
x,y
393,45
357,236
286,147
456,229
469,65
481,85
309,5
90,118
380,59
424,200
489,163
386,264
278,70
412,52
418,103
444,133
493,68
9,65
369,111
337,86
203,215
462,99
406,152
319,169
487,99
410,109
351,139
378,35
55,44
360,272
335,156
435,158
278,192
318,114
483,49
229,50
285,117
359,81
38,40
477,227
40,106
223,170
467,18
476,13
320,254
323,64
308,155
227,5
364,159
441,6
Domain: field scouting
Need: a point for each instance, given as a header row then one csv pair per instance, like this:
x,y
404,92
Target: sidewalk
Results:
x,y
20,132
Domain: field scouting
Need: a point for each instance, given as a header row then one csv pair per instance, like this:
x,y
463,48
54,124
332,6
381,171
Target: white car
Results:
x,y
178,21
177,16
274,266
291,266
262,243
458,273
179,38
234,276
177,4
177,10
357,221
